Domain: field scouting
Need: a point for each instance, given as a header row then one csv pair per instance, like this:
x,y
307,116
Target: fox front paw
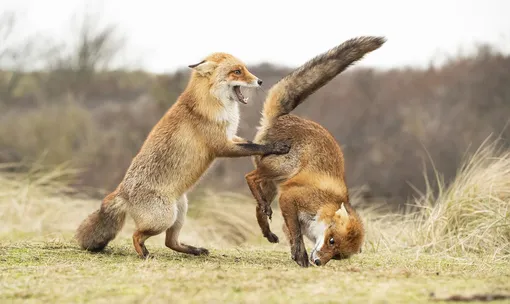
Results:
x,y
279,148
301,257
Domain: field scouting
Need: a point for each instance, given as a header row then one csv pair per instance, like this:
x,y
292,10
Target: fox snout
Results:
x,y
319,258
256,82
250,79
315,259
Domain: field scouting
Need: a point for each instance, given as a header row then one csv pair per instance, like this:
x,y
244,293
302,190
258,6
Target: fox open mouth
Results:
x,y
239,95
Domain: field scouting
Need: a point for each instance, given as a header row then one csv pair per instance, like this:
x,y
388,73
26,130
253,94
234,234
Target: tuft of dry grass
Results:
x,y
471,214
35,203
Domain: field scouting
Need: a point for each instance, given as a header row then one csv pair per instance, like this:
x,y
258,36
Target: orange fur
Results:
x,y
309,181
198,128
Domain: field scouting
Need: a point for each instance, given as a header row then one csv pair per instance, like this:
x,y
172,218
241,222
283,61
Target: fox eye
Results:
x,y
237,72
331,241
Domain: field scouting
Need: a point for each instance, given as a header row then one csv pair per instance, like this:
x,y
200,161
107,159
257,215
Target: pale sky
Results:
x,y
164,35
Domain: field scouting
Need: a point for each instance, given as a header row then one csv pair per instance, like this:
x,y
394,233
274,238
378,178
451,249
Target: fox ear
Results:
x,y
203,67
342,212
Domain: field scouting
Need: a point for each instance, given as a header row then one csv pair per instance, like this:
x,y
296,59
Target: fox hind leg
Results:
x,y
172,233
264,193
263,190
150,221
139,238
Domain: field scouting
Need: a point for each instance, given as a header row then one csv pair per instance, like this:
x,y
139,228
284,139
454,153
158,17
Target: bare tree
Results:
x,y
73,66
16,55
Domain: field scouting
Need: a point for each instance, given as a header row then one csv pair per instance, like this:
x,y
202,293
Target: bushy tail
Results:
x,y
100,227
292,90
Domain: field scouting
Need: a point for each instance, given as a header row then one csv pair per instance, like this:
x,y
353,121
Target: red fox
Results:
x,y
199,127
308,181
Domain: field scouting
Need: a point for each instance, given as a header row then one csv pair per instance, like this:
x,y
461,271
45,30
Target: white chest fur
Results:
x,y
230,115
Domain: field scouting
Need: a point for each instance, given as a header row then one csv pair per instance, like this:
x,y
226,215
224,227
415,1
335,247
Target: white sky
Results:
x,y
168,34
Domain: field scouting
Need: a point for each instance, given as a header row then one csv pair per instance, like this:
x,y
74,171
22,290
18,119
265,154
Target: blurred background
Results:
x,y
83,82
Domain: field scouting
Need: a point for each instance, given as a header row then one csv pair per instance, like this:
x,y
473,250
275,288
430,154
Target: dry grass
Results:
x,y
33,205
471,215
455,241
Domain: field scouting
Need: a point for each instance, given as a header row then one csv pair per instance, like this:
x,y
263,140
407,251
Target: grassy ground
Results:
x,y
456,242
55,272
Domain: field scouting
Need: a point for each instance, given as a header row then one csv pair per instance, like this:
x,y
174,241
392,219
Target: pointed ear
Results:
x,y
342,212
203,67
196,64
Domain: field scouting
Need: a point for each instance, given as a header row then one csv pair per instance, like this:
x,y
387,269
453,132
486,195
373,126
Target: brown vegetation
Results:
x,y
389,123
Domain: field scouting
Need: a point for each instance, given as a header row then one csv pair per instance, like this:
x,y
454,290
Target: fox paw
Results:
x,y
198,251
146,257
280,148
272,238
302,261
301,257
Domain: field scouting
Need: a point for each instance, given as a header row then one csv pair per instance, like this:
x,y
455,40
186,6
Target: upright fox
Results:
x,y
309,181
199,127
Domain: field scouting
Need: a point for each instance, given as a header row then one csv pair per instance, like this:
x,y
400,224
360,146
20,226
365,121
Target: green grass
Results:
x,y
54,272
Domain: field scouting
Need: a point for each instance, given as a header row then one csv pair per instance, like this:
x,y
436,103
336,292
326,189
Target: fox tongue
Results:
x,y
240,97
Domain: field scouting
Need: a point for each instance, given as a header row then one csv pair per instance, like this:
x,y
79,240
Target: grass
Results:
x,y
453,242
56,272
472,214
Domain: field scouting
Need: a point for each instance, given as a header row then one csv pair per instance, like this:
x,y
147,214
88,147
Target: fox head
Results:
x,y
342,237
226,75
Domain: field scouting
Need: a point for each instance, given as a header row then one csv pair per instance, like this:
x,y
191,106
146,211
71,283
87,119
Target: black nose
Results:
x,y
259,82
317,262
